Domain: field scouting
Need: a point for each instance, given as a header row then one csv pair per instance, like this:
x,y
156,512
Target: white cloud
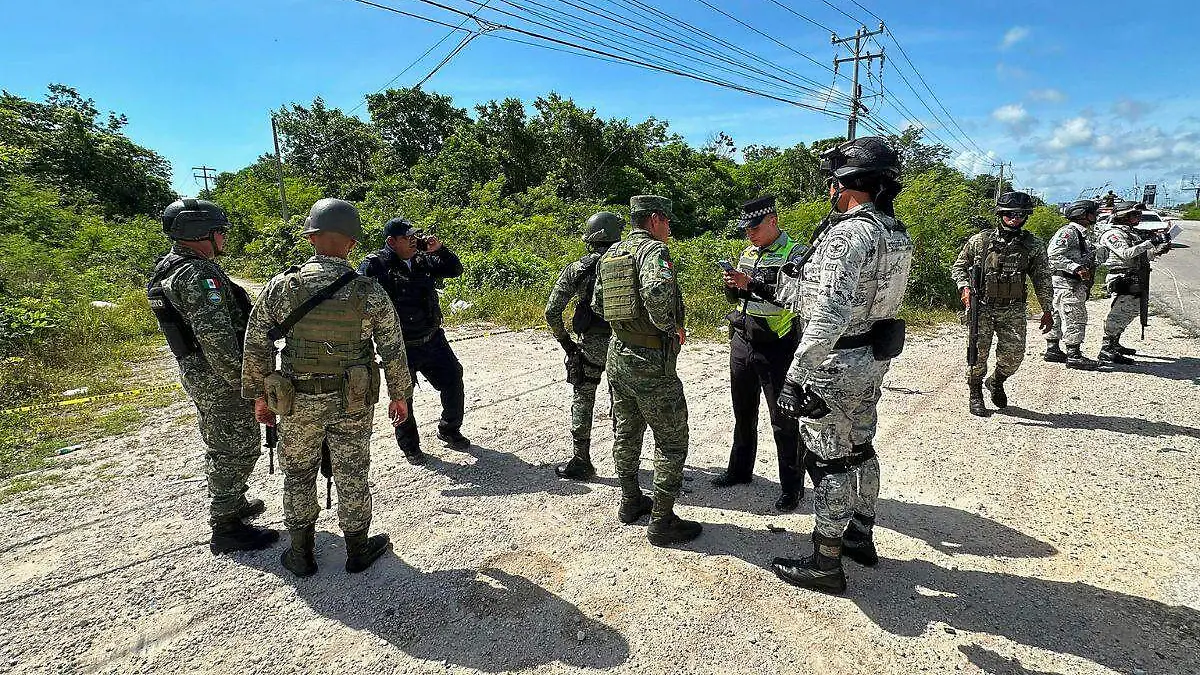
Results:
x,y
1013,36
1072,133
1048,95
1007,72
1013,113
1131,110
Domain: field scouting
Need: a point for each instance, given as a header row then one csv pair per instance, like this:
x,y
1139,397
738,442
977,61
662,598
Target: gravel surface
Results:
x,y
1057,537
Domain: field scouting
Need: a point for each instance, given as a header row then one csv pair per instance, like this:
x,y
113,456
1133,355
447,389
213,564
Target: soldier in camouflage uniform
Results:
x,y
847,294
1008,254
638,294
328,382
203,316
1128,256
586,357
1072,259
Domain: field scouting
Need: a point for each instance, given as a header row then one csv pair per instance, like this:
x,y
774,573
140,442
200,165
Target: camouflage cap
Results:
x,y
642,204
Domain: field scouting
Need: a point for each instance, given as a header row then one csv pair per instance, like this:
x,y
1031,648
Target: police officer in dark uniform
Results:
x,y
763,338
410,266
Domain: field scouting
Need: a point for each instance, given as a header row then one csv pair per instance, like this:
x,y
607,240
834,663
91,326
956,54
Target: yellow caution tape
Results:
x,y
488,334
99,398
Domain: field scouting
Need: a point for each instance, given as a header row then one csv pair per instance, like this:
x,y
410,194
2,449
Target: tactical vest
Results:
x,y
620,282
328,340
181,339
1118,266
585,319
413,293
1004,265
765,266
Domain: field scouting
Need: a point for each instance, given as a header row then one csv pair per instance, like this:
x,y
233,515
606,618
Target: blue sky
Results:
x,y
1075,94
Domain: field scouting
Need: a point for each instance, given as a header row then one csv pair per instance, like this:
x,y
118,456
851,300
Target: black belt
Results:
x,y
1067,275
853,341
423,340
318,385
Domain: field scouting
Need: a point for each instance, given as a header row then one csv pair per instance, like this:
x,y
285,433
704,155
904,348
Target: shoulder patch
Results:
x,y
211,284
837,247
214,297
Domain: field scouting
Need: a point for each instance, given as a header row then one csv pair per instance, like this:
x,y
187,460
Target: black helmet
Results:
x,y
193,219
1017,203
1081,208
603,228
869,156
333,215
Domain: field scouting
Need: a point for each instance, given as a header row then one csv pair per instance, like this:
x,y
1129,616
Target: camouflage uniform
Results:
x,y
576,281
1003,311
1127,254
1068,251
319,415
856,277
641,364
216,310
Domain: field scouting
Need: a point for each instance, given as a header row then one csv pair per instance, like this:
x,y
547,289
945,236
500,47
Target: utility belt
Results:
x,y
423,340
359,388
1002,302
638,339
885,338
752,329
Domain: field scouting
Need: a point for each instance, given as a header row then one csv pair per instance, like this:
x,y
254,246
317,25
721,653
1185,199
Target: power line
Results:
x,y
807,18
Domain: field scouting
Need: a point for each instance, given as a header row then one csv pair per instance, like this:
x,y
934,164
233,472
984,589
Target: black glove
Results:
x,y
569,346
797,401
791,397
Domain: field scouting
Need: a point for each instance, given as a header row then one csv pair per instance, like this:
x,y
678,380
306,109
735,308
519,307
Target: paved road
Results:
x,y
1175,281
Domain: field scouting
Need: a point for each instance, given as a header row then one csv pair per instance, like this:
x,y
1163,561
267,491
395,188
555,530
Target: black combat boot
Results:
x,y
1122,349
821,571
1110,352
1053,353
251,508
234,535
301,559
634,504
454,439
361,552
1076,359
415,456
726,479
788,501
666,528
580,466
995,384
975,388
858,544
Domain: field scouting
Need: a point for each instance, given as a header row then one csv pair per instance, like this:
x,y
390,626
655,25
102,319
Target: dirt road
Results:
x,y
1058,537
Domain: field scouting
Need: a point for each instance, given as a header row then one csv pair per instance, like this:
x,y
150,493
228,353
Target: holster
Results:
x,y
281,394
887,339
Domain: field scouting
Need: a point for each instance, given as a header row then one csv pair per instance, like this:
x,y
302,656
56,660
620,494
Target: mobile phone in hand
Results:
x,y
724,264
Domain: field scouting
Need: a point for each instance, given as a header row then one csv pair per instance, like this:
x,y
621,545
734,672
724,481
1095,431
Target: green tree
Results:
x,y
329,148
411,124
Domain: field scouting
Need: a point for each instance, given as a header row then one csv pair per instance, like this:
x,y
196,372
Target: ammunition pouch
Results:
x,y
281,394
1124,286
1004,272
360,388
885,337
576,364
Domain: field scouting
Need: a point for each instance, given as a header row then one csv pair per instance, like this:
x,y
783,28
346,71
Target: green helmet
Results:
x,y
193,220
334,215
603,228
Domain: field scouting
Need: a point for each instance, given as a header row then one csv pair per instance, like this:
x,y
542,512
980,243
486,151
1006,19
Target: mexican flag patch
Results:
x,y
212,284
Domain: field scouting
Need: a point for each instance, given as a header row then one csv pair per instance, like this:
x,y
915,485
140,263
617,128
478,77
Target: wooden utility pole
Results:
x,y
1000,180
859,38
204,173
279,171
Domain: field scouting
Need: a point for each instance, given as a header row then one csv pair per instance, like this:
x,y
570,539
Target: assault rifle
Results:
x,y
271,442
327,472
975,283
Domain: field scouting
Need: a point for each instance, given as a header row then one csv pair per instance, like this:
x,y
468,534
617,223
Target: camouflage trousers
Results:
x,y
1070,311
231,434
317,419
583,394
1007,324
850,383
1124,309
646,391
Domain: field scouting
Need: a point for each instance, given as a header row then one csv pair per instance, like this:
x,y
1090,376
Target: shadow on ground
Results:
x,y
906,597
486,619
1184,368
994,664
1090,422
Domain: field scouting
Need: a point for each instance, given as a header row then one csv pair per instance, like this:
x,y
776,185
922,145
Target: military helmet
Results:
x,y
1017,203
1081,208
1125,208
603,228
333,215
193,219
861,157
